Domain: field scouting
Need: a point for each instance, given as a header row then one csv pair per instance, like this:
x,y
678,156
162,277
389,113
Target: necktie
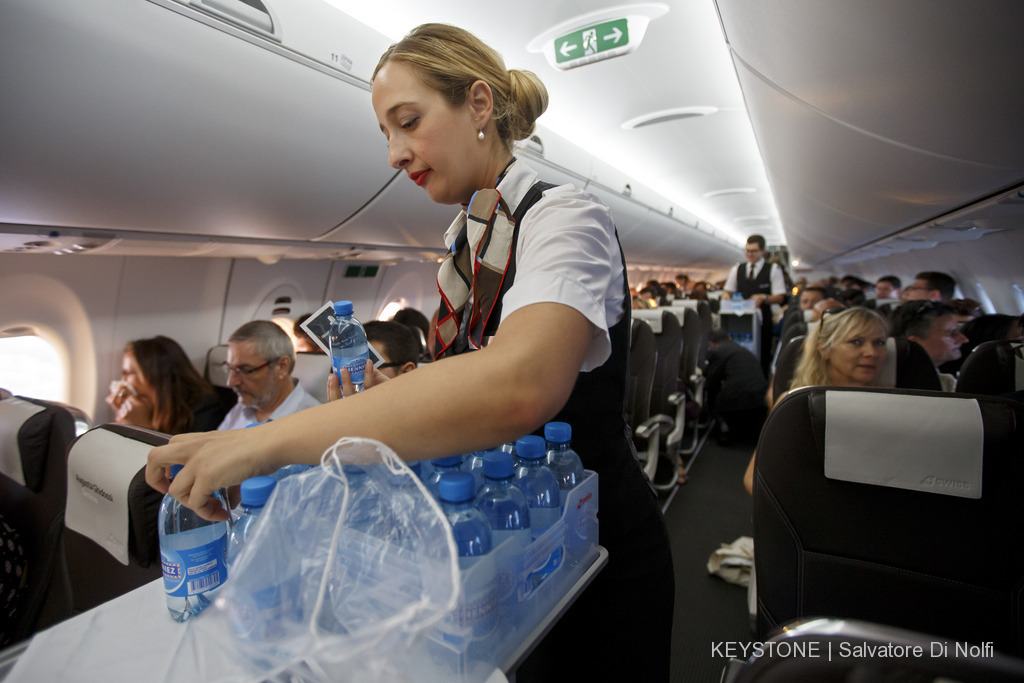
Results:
x,y
750,272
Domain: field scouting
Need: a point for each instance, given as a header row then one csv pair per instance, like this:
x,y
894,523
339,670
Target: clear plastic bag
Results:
x,y
345,573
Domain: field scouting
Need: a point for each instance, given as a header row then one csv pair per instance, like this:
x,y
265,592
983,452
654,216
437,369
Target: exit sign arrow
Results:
x,y
588,43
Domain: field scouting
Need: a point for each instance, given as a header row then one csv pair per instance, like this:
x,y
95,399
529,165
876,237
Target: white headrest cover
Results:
x,y
101,466
215,358
13,413
922,443
887,377
651,316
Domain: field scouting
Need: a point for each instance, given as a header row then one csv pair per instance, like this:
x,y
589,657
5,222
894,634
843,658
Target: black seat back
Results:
x,y
669,347
992,368
35,435
926,557
95,575
642,364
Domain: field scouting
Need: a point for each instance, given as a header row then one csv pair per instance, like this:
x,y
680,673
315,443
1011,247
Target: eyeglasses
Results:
x,y
243,370
388,365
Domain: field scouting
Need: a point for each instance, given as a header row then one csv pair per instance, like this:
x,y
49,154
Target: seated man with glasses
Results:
x,y
934,326
397,345
259,366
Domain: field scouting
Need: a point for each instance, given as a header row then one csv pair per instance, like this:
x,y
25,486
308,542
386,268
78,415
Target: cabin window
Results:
x,y
31,366
388,312
986,302
1018,297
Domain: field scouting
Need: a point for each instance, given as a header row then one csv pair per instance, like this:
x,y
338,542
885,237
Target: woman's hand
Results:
x,y
212,461
371,378
135,410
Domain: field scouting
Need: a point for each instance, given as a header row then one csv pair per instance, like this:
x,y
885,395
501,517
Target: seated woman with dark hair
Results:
x,y
160,389
846,349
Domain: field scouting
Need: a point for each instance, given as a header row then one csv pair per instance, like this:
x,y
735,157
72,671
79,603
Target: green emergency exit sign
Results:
x,y
591,43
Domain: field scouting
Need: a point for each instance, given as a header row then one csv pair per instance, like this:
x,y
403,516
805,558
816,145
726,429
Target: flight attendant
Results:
x,y
542,334
764,284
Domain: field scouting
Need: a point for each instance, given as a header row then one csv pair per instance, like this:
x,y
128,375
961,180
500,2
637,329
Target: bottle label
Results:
x,y
194,570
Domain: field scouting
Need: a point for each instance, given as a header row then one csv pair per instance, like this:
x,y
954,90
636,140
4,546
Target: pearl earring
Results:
x,y
479,133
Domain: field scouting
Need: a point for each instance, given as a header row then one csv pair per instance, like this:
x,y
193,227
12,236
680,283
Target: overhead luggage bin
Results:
x,y
177,122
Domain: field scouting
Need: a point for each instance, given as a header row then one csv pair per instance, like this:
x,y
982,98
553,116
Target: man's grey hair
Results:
x,y
271,341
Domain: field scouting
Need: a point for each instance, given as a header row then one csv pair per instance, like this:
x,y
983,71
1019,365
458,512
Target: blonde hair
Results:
x,y
833,329
449,60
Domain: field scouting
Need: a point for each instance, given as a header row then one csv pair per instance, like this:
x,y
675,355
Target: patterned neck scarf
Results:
x,y
476,264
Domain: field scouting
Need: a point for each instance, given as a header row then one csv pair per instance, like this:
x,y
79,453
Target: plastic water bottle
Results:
x,y
502,502
348,344
193,552
474,464
476,615
469,526
442,466
562,459
255,493
539,484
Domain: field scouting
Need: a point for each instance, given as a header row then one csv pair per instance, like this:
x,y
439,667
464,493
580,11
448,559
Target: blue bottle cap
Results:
x,y
343,307
558,432
498,465
456,487
530,447
257,490
175,469
450,461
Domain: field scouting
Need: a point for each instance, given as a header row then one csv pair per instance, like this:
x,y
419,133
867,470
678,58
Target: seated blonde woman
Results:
x,y
846,349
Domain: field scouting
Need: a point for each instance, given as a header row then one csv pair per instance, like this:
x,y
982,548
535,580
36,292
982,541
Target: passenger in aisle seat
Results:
x,y
556,350
259,368
847,348
160,389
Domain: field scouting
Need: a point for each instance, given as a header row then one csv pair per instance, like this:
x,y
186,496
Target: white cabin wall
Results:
x,y
254,286
995,260
89,306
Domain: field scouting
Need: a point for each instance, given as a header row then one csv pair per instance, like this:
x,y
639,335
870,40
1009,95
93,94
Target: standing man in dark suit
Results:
x,y
761,282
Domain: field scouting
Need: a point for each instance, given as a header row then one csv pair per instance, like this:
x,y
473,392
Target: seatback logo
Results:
x,y
938,482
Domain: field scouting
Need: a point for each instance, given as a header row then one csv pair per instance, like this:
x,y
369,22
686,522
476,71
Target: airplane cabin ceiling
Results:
x,y
874,117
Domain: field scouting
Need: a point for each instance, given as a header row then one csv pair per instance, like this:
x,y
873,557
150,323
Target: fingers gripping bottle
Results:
x,y
348,344
193,552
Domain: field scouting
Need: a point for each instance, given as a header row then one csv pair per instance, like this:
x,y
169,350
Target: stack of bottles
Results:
x,y
540,510
523,518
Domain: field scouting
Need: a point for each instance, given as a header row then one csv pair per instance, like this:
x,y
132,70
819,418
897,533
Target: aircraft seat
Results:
x,y
34,435
800,653
691,368
993,368
900,507
312,370
665,427
110,542
215,375
642,364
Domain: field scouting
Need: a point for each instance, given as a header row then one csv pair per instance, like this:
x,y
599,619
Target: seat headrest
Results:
x,y
932,444
215,359
24,441
312,369
651,316
108,499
